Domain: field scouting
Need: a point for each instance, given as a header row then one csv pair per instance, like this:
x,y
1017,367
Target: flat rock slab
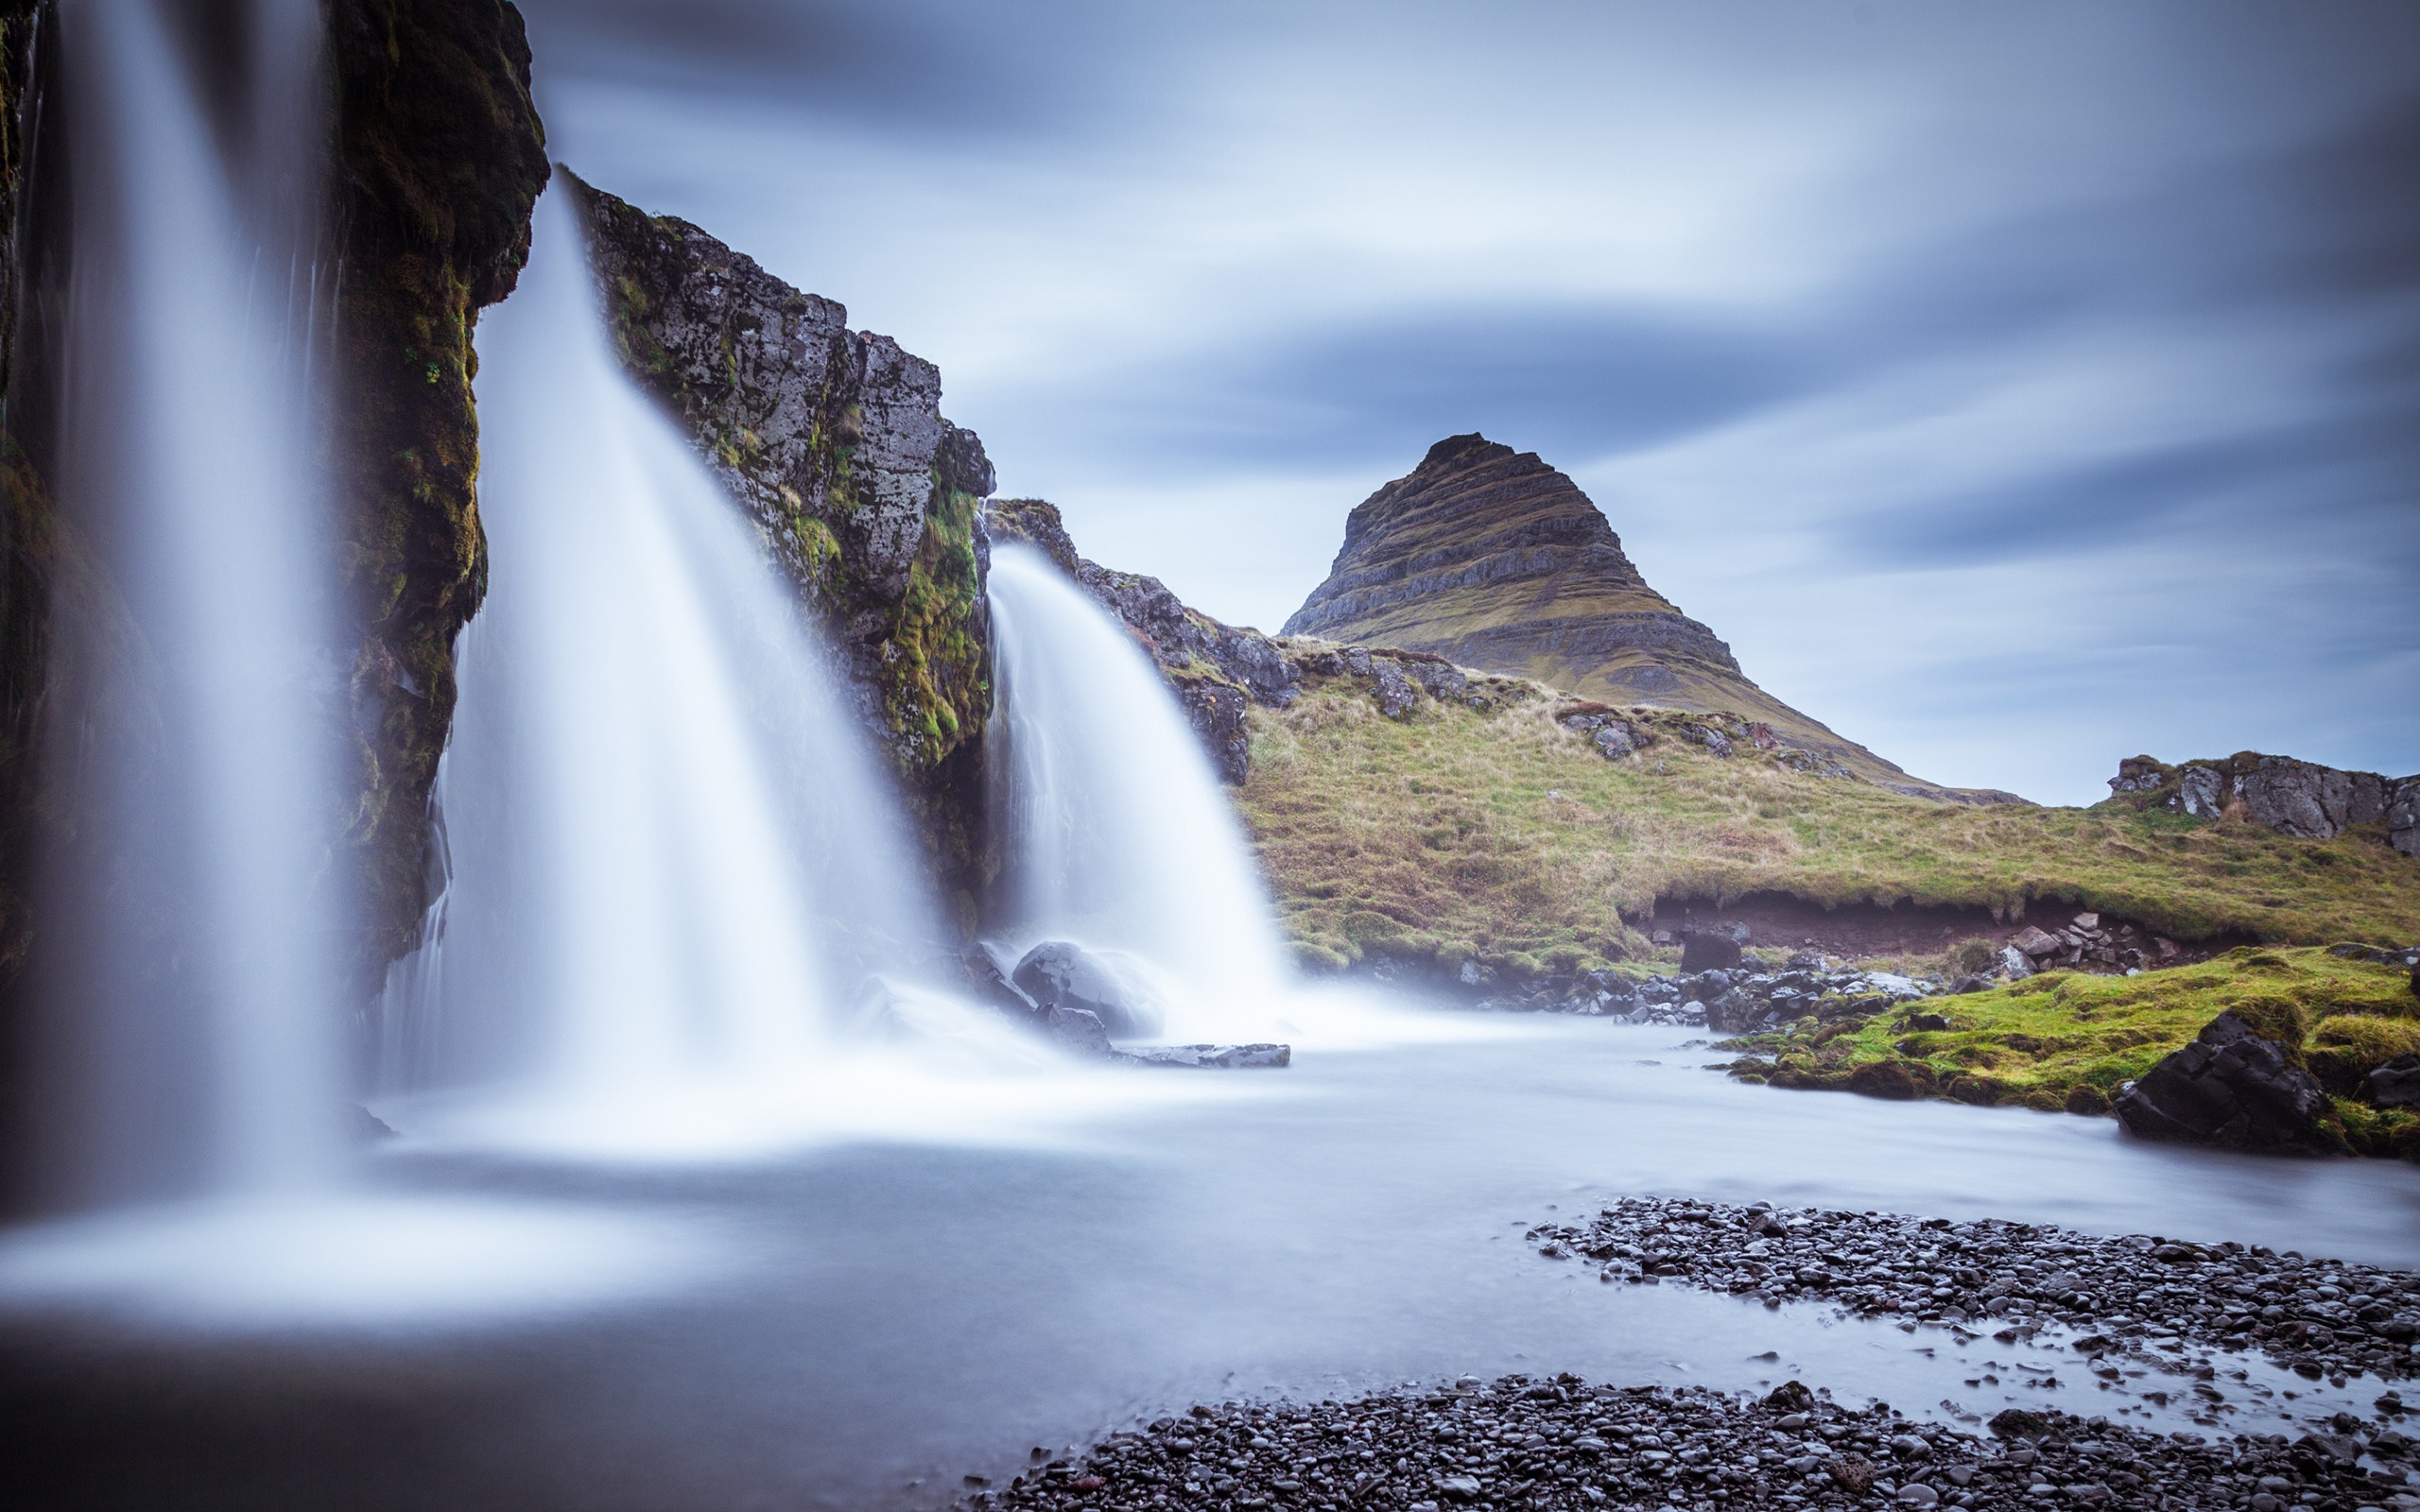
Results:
x,y
1208,1057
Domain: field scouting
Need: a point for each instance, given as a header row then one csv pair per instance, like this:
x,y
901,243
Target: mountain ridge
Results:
x,y
1497,560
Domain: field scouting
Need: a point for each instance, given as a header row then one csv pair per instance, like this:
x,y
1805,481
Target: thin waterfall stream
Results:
x,y
1113,829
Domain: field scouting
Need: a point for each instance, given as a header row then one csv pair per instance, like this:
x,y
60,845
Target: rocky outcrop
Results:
x,y
2231,1087
1492,560
833,442
2088,943
2278,793
440,157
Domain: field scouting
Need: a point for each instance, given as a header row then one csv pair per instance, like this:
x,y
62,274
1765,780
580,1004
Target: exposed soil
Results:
x,y
1863,930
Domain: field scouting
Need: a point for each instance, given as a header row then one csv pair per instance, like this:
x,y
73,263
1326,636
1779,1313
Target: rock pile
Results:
x,y
1737,999
2321,1317
2085,945
1564,1444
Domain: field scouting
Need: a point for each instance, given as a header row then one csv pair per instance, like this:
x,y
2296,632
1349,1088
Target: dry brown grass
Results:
x,y
1501,835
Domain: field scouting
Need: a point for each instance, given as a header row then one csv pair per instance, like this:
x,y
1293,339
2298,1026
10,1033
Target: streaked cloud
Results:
x,y
2016,388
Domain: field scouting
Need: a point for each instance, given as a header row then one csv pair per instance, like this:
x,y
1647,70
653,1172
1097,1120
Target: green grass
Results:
x,y
1499,837
2067,1040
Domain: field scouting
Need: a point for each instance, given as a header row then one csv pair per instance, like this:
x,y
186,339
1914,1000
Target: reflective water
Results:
x,y
863,1324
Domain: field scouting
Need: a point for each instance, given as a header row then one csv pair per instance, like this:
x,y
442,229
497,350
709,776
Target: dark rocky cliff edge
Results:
x,y
440,157
1492,560
833,442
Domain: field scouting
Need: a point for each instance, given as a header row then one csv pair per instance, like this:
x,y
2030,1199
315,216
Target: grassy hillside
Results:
x,y
2064,1040
1498,834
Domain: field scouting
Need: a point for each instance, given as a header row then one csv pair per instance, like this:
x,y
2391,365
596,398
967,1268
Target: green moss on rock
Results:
x,y
831,440
440,157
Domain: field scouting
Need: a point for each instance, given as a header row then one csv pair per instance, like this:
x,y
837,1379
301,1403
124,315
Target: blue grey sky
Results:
x,y
2016,386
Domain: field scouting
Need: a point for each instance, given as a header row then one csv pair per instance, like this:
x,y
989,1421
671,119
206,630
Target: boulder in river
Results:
x,y
1058,974
2230,1086
1708,951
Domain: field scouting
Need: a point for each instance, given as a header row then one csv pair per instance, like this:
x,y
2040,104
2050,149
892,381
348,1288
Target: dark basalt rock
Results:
x,y
833,442
2125,1296
1703,951
1059,975
2278,793
1078,1029
1564,1445
2230,1086
2396,1084
440,157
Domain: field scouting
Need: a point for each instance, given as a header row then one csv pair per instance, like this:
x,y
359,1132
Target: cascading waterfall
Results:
x,y
188,982
1115,830
675,872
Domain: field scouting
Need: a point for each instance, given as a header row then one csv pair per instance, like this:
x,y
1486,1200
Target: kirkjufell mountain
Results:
x,y
1492,560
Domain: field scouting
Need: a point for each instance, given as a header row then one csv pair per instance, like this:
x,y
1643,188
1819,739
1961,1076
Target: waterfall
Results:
x,y
188,983
675,871
1114,831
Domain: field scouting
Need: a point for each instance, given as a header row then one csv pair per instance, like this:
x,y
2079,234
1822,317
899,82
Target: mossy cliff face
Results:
x,y
440,157
436,158
833,442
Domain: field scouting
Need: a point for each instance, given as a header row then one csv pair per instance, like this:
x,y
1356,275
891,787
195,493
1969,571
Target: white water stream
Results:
x,y
187,977
1113,828
679,887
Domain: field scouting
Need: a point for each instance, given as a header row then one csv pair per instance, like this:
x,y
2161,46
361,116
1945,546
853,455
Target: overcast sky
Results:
x,y
2016,386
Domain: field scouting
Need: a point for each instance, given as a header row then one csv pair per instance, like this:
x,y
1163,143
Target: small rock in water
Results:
x,y
1217,1058
1080,1030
